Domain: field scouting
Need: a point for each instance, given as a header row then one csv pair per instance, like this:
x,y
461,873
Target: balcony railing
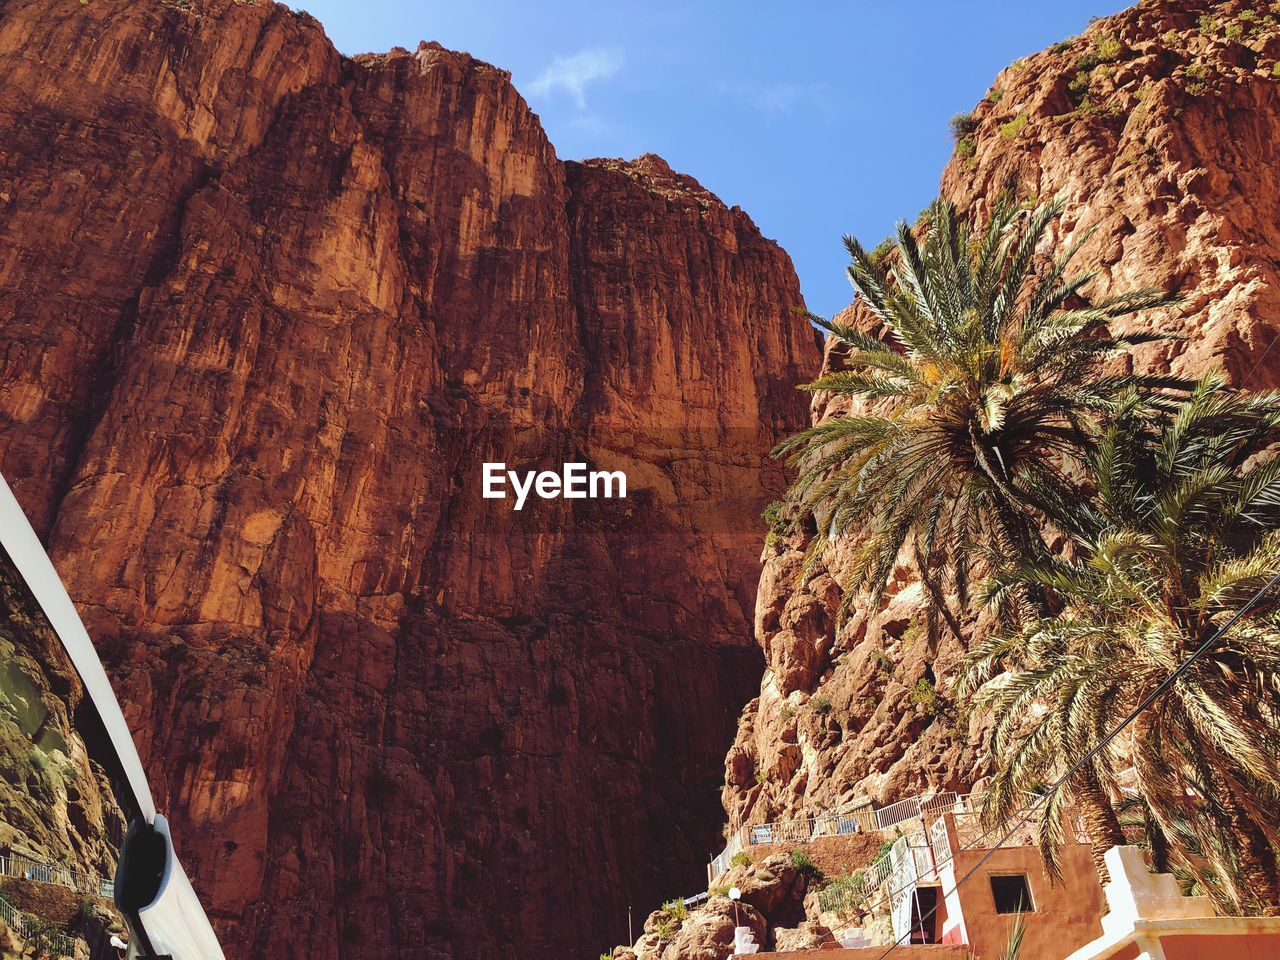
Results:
x,y
36,933
916,808
972,832
17,867
722,861
839,824
939,843
803,831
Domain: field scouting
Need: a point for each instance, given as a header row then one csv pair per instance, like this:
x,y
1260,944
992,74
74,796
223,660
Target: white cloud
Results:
x,y
778,98
572,74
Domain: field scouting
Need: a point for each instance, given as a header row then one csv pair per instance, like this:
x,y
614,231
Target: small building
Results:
x,y
1008,884
942,911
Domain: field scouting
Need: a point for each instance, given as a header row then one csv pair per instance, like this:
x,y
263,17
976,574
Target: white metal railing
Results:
x,y
897,813
839,824
915,808
972,832
802,831
17,867
786,831
721,862
877,873
939,843
37,934
909,868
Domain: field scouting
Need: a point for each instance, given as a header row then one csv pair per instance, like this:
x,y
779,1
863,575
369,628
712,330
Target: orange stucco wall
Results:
x,y
1234,946
905,952
1064,917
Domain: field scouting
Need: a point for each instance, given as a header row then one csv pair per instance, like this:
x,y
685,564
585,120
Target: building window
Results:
x,y
1012,894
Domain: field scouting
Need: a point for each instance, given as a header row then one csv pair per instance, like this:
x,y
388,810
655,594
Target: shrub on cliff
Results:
x,y
925,696
962,125
1014,127
806,867
774,521
677,910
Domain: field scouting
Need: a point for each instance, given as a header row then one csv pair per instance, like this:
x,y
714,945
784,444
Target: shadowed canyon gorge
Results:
x,y
265,311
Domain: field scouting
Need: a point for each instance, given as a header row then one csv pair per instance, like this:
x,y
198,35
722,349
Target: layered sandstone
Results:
x,y
1157,129
264,311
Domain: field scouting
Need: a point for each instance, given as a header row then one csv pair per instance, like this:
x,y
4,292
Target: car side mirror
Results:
x,y
84,856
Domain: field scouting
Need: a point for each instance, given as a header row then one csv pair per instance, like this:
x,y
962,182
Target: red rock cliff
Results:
x,y
264,311
1157,128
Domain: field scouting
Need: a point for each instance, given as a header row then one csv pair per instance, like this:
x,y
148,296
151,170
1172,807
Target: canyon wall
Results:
x,y
1157,128
264,312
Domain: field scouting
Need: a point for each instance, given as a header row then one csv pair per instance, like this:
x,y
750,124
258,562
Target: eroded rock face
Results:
x,y
264,312
1157,129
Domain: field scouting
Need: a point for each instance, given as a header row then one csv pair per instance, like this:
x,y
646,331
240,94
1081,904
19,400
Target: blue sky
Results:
x,y
818,118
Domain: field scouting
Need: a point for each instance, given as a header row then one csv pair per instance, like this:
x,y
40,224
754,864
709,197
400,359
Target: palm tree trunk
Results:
x,y
1158,841
1100,822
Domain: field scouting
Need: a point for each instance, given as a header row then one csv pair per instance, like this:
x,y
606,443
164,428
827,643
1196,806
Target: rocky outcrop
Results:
x,y
1156,128
705,934
772,904
264,313
809,935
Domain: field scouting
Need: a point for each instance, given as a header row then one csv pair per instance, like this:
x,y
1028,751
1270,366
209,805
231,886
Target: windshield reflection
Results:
x,y
62,819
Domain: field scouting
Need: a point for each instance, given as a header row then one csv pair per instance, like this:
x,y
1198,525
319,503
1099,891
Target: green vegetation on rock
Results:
x,y
1014,127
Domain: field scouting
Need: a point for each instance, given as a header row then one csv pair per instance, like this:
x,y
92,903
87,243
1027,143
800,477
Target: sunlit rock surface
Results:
x,y
264,311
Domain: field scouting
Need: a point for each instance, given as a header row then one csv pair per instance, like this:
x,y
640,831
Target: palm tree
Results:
x,y
1182,534
961,423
